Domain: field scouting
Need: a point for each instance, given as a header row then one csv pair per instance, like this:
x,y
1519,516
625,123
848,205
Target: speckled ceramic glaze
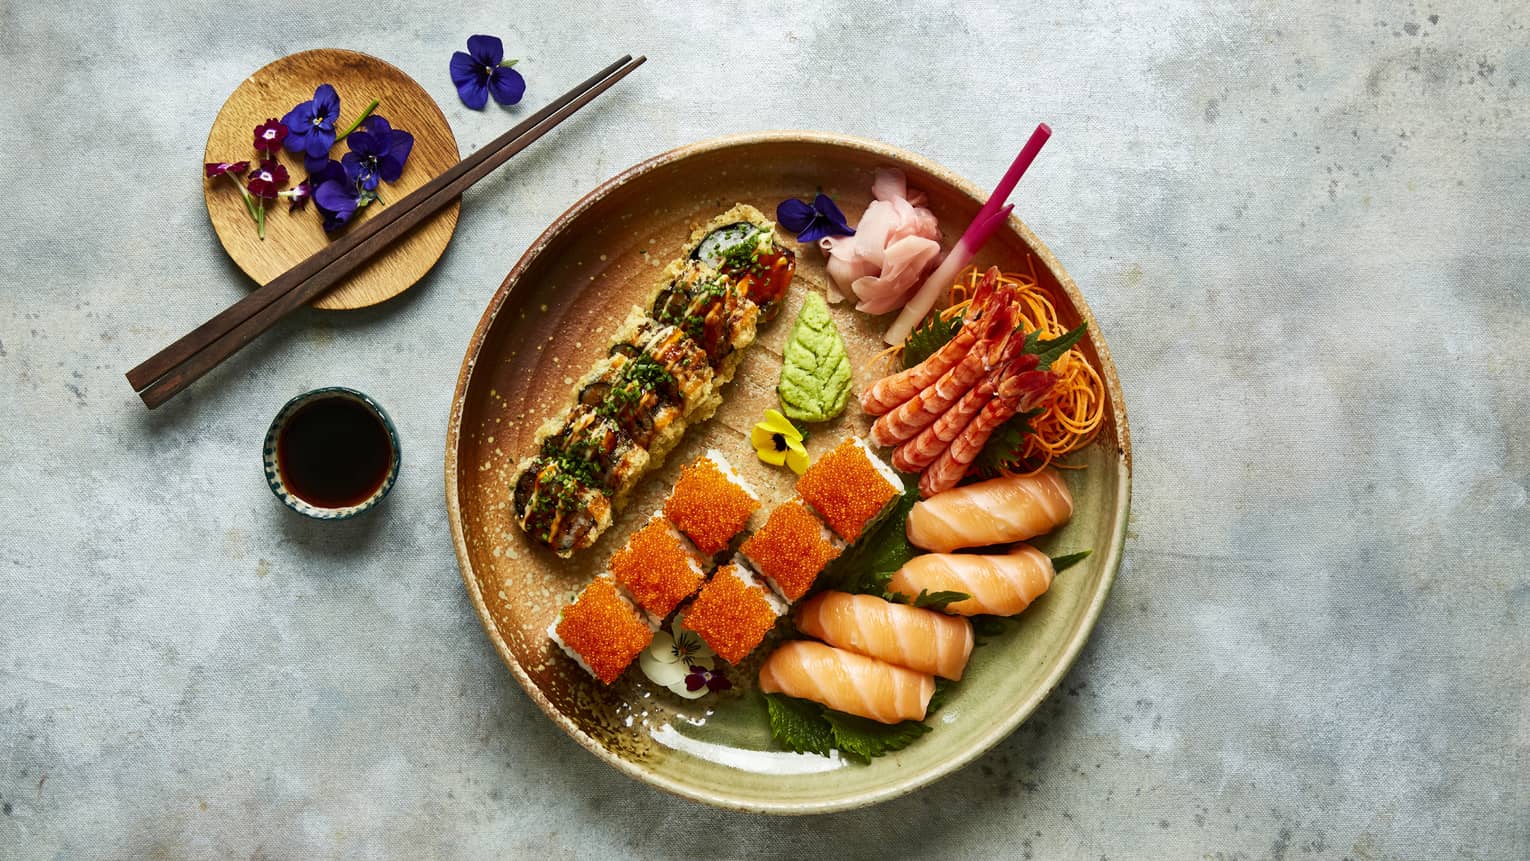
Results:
x,y
553,317
273,467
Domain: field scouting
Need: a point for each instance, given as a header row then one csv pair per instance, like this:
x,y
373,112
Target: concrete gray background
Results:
x,y
1302,226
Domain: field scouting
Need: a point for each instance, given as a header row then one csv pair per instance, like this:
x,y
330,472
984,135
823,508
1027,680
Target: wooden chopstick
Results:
x,y
171,370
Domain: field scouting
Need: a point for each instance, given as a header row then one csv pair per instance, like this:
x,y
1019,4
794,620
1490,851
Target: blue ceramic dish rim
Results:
x,y
273,469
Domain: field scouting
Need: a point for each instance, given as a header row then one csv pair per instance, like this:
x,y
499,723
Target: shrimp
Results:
x,y
919,452
928,405
885,394
1013,395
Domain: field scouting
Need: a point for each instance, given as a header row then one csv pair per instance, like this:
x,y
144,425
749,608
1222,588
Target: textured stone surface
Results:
x,y
1302,225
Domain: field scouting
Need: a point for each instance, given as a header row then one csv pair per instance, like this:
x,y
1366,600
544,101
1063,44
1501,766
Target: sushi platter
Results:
x,y
805,612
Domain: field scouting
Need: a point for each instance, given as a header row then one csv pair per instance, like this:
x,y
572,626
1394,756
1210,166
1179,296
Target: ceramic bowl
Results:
x,y
278,484
553,317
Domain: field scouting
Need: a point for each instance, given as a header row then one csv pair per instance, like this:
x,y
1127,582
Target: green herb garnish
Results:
x,y
807,727
925,340
799,725
1063,563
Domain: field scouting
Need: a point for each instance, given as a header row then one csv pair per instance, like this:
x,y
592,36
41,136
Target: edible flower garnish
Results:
x,y
776,440
483,71
311,126
812,222
702,680
378,152
297,197
269,136
671,661
336,194
267,180
229,168
264,183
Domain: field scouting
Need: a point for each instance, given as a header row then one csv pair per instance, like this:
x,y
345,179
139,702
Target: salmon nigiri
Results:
x,y
999,585
998,511
913,637
847,682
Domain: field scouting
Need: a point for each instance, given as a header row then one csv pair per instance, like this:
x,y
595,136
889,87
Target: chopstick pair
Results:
x,y
171,370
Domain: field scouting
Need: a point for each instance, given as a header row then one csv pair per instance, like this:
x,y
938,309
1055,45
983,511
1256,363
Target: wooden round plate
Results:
x,y
552,318
294,236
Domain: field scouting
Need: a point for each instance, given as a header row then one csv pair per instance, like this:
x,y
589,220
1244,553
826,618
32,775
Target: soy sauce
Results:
x,y
334,453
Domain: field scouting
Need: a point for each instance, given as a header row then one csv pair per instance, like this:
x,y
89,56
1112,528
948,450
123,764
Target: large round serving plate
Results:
x,y
553,317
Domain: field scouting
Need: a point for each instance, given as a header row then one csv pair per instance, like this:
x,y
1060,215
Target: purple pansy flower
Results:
x,y
219,168
311,127
813,222
269,136
337,194
378,151
701,677
483,71
266,180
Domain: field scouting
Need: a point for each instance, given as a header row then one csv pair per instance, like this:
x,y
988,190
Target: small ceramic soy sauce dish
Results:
x,y
331,453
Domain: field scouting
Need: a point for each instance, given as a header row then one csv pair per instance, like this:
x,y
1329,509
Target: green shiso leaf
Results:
x,y
1063,563
1006,448
925,340
868,739
939,600
1048,352
815,369
799,725
943,691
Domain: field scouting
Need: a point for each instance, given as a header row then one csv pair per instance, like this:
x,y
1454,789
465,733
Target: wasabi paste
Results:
x,y
815,375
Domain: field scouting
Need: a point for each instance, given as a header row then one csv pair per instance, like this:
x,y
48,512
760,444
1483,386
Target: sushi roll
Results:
x,y
791,549
709,306
658,568
601,630
555,504
733,612
690,373
850,488
710,503
614,460
741,243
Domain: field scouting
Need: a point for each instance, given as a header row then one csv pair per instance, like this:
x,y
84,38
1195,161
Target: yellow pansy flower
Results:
x,y
777,441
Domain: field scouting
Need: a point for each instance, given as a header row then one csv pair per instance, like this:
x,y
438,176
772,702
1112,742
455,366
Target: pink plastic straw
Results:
x,y
987,220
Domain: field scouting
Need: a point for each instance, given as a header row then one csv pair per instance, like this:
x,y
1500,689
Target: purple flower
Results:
x,y
701,677
483,71
219,168
269,136
812,223
336,194
297,197
266,180
378,151
311,127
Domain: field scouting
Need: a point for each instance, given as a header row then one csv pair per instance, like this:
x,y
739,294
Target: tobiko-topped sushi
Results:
x,y
658,567
733,612
710,503
602,631
850,487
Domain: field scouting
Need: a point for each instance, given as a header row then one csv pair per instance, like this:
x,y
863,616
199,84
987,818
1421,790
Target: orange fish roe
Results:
x,y
708,506
846,488
791,549
656,568
604,629
732,616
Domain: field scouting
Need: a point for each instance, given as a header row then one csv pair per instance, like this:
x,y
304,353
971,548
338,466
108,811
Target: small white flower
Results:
x,y
669,659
